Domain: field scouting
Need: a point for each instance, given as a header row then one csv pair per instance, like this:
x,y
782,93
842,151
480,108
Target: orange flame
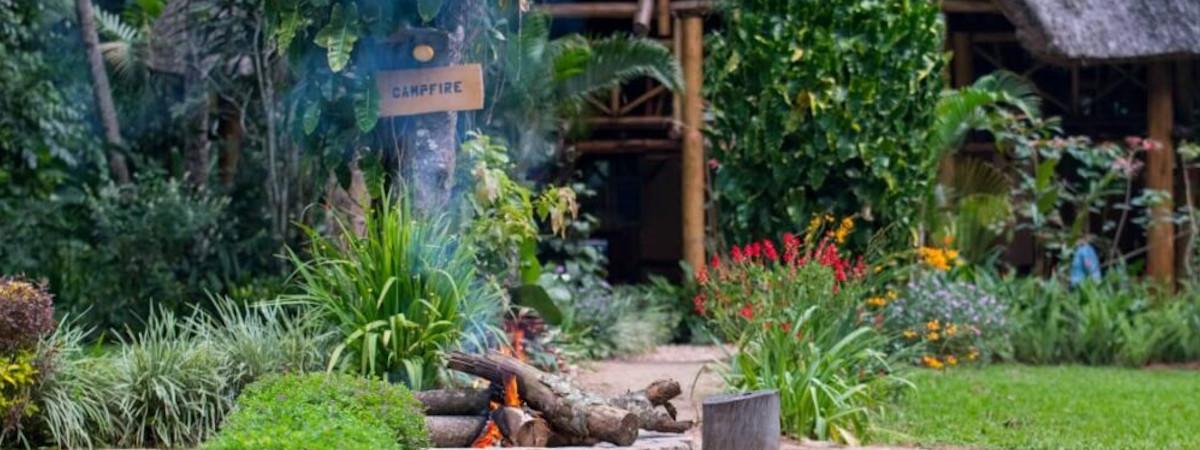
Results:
x,y
512,394
490,437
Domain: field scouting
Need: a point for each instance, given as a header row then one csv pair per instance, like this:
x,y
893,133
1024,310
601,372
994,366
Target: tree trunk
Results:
x,y
742,421
454,431
102,91
571,412
232,134
452,402
431,140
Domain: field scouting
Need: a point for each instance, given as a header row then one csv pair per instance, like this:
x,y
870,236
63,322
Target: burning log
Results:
x,y
454,402
454,431
520,428
574,415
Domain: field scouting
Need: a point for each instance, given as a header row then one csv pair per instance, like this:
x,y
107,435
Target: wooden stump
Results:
x,y
747,421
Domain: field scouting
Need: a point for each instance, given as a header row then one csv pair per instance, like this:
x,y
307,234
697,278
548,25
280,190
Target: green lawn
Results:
x,y
1008,406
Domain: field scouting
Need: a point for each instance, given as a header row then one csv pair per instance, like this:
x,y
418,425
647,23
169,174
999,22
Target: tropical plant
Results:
x,y
394,294
797,319
1114,321
543,82
323,411
810,116
74,400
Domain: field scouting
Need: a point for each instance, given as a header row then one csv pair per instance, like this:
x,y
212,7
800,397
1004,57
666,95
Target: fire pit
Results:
x,y
528,408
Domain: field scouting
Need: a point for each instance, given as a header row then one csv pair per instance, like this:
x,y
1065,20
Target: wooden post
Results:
x,y
1160,171
747,421
664,17
964,68
693,142
641,20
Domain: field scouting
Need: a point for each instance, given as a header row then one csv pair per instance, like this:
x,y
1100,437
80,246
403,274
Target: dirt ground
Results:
x,y
695,369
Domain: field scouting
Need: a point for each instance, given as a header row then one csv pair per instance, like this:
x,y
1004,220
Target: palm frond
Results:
x,y
959,112
617,59
976,176
121,49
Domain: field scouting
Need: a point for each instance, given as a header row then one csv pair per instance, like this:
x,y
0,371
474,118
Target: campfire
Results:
x,y
525,407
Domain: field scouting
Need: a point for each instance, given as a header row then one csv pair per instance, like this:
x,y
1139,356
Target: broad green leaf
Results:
x,y
312,116
366,106
339,35
535,297
428,9
286,30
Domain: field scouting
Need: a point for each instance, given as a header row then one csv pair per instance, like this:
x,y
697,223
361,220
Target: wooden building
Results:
x,y
1109,68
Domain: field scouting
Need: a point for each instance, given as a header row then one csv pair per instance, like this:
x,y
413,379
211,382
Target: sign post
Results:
x,y
437,89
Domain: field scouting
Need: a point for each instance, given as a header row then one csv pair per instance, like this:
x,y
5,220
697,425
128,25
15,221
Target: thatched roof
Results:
x,y
1082,31
167,36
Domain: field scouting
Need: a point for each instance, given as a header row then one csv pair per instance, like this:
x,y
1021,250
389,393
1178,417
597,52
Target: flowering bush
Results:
x,y
951,321
795,316
26,314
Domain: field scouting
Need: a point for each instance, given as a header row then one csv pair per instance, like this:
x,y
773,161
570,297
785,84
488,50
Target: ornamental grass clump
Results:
x,y
794,314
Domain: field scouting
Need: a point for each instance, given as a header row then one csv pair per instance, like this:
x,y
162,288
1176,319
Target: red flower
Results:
x,y
753,250
785,326
747,312
769,250
736,254
702,276
698,303
713,164
716,262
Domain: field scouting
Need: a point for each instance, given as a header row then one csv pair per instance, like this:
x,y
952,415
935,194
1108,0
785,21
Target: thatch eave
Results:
x,y
1074,32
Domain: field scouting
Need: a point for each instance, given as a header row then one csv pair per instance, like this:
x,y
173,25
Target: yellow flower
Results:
x,y
937,258
951,329
932,336
932,362
892,295
951,360
973,354
843,230
910,334
876,301
933,325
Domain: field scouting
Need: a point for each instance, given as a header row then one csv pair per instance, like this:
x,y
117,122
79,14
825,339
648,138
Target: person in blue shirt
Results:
x,y
1085,264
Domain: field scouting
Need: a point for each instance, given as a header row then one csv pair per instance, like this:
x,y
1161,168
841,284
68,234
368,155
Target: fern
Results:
x,y
616,60
959,112
120,49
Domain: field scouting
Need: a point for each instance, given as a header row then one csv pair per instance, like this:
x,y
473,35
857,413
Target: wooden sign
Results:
x,y
436,89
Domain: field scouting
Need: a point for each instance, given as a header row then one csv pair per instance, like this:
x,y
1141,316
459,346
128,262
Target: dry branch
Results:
x,y
454,431
454,402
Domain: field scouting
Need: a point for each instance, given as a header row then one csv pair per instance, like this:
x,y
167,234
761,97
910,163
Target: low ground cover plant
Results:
x,y
323,411
950,321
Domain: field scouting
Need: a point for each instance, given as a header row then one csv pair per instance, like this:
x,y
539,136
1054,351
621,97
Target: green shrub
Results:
x,y
1115,321
323,411
394,295
823,106
113,254
796,321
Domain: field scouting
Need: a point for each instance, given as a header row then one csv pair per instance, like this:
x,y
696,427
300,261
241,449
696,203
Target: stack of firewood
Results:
x,y
526,407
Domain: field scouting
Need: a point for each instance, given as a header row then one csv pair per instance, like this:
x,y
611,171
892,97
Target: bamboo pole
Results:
x,y
1160,171
693,142
664,17
641,20
598,10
